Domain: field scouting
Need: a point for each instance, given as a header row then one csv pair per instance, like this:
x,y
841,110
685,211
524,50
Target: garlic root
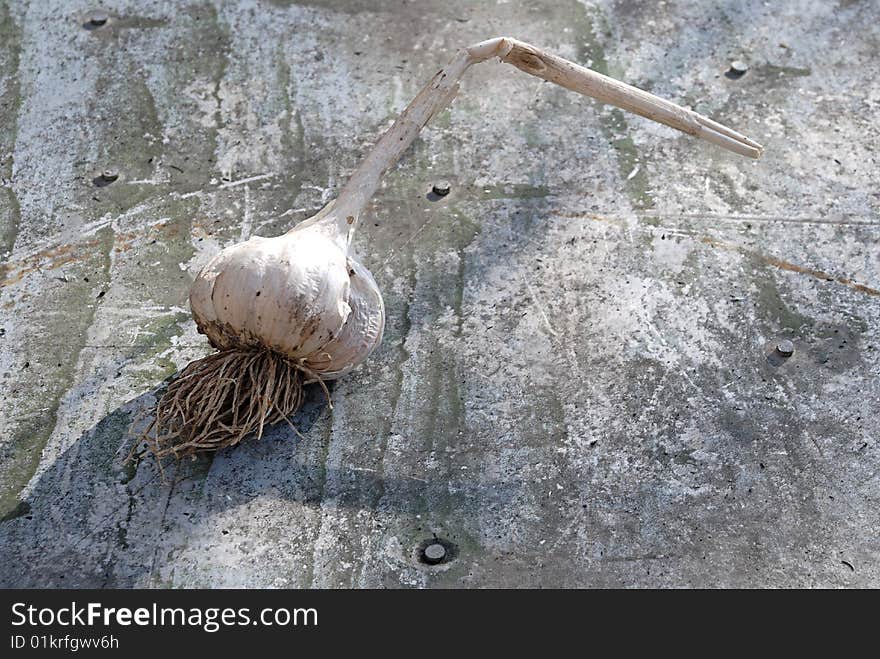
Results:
x,y
298,308
220,399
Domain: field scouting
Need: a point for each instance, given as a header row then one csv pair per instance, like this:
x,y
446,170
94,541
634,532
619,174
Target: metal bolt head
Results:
x,y
109,175
98,18
738,67
442,188
434,553
785,348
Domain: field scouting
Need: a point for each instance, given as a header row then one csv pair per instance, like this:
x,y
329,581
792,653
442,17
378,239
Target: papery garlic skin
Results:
x,y
362,331
299,295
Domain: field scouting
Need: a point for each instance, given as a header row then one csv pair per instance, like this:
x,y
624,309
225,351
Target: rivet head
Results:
x,y
737,69
785,348
109,175
98,18
434,553
442,188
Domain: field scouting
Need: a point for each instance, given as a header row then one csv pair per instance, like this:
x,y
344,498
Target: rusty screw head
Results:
x,y
785,348
442,188
434,553
109,175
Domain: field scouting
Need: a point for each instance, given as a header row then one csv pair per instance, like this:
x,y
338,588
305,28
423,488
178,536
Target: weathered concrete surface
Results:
x,y
577,385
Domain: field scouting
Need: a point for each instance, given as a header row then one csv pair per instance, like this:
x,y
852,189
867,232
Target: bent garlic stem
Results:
x,y
442,88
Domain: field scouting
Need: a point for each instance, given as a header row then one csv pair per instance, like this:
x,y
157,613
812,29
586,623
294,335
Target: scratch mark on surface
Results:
x,y
395,250
291,211
247,222
244,181
733,247
540,306
788,266
847,220
229,184
562,536
160,529
149,181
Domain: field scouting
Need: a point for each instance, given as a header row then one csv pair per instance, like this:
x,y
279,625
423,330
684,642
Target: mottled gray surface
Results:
x,y
577,386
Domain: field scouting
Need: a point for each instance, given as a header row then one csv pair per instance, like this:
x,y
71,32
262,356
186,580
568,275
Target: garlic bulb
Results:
x,y
299,295
297,308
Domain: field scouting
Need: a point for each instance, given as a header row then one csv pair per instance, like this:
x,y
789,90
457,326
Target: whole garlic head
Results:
x,y
299,295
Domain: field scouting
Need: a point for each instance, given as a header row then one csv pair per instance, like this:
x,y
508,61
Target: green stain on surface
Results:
x,y
772,71
158,270
136,22
724,187
292,132
204,46
53,348
122,141
23,508
134,121
443,415
155,337
630,166
104,441
10,218
770,305
10,55
613,123
132,117
433,377
52,352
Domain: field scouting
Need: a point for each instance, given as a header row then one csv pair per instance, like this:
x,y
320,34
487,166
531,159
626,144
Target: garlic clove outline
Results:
x,y
362,331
